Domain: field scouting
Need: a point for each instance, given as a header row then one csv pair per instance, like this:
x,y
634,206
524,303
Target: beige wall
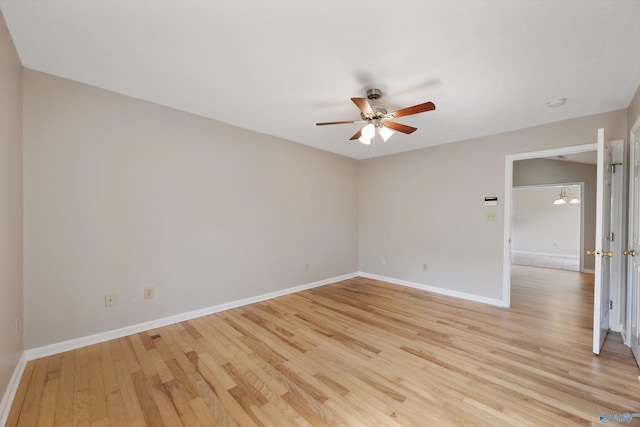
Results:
x,y
121,194
11,305
426,206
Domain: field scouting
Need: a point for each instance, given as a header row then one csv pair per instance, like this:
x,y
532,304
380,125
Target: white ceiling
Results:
x,y
278,67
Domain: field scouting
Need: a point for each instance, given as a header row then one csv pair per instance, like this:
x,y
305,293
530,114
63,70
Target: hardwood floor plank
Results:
x,y
97,395
356,352
47,410
64,408
115,409
81,408
143,386
231,405
128,394
208,396
247,390
181,403
201,410
280,419
164,403
29,413
142,356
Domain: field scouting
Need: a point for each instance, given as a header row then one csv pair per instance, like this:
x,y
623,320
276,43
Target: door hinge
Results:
x,y
610,305
611,235
612,167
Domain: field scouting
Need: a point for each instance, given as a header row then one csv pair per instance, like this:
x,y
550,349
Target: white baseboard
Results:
x,y
12,388
434,289
48,350
617,327
588,271
546,254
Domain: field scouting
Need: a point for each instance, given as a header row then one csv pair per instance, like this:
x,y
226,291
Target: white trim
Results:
x,y
630,287
506,234
546,254
508,184
434,289
588,271
12,388
618,219
48,350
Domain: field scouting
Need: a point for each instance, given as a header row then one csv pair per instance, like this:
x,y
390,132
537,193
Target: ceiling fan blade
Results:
x,y
400,127
420,108
357,135
336,123
363,105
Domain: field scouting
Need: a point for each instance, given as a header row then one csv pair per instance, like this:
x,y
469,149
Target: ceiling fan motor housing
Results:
x,y
374,93
378,110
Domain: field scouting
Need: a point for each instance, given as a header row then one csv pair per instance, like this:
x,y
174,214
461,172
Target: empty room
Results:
x,y
279,213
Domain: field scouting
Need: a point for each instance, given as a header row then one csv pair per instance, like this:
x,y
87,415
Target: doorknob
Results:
x,y
592,253
631,252
609,254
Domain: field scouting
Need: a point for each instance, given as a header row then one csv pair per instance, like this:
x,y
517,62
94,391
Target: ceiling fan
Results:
x,y
376,117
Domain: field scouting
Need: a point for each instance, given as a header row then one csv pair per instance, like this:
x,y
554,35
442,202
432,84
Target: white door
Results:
x,y
633,254
602,250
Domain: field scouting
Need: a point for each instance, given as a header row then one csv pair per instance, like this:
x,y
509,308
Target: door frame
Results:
x,y
619,225
629,292
508,184
619,217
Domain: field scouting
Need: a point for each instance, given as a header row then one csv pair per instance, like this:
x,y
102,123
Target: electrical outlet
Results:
x,y
492,216
383,261
110,300
149,293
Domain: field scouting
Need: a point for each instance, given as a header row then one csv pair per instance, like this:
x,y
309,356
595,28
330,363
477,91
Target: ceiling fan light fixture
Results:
x,y
385,133
365,140
369,131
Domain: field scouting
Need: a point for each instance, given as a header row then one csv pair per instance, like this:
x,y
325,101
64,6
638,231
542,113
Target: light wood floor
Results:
x,y
358,352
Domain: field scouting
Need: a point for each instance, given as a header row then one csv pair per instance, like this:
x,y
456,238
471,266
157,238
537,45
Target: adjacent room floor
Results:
x,y
546,261
357,352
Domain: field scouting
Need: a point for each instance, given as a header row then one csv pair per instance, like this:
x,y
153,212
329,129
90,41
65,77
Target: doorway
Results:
x,y
617,220
510,161
547,224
